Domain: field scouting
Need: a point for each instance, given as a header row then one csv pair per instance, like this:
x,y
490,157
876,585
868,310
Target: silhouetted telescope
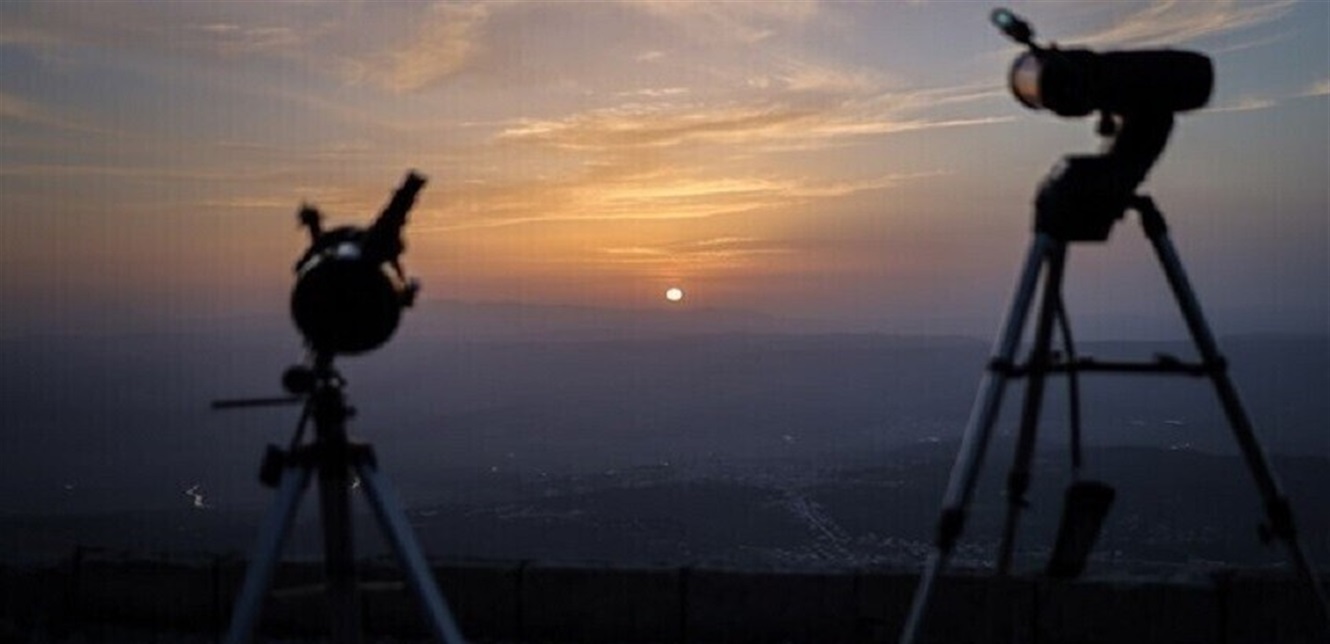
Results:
x,y
350,289
1136,94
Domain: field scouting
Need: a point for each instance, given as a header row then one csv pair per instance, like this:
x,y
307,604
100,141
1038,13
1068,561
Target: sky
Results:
x,y
852,162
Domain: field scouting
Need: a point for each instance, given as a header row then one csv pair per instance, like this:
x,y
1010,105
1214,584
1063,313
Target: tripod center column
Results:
x,y
334,465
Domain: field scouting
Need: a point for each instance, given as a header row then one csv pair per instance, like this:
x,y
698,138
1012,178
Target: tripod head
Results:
x,y
1136,94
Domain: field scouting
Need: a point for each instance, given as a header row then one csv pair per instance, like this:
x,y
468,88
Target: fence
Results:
x,y
540,602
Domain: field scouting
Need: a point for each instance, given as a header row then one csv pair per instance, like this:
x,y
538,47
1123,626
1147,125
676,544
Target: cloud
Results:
x,y
448,38
1170,22
747,22
638,125
118,172
402,48
665,125
795,75
234,39
655,92
659,191
1252,103
1318,88
165,27
710,251
673,158
14,108
1244,104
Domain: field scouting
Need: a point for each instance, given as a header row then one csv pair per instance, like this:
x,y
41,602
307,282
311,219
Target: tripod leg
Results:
x,y
258,576
1073,392
1018,480
339,557
394,524
965,471
1279,513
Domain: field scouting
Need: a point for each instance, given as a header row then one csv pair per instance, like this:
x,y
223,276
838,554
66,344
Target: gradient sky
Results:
x,y
846,161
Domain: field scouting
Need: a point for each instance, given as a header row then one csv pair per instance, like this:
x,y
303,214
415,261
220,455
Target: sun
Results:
x,y
674,294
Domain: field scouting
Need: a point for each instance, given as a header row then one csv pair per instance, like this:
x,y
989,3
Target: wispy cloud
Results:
x,y
1170,22
664,125
710,251
1318,88
448,38
748,22
1252,103
637,125
1244,104
628,192
791,74
165,27
14,108
231,38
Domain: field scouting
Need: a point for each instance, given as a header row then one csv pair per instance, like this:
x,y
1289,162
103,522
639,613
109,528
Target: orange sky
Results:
x,y
837,160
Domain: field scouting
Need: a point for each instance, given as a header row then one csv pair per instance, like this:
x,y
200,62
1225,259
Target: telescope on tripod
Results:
x,y
348,299
1137,94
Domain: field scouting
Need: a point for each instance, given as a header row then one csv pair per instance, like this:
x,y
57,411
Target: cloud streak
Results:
x,y
448,39
664,125
16,109
745,22
624,193
1170,22
709,251
1318,88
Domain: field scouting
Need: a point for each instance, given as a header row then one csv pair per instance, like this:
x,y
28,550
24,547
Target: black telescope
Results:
x,y
1076,82
350,289
1136,94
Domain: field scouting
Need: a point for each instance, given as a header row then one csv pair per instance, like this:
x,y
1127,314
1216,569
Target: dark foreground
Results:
x,y
88,598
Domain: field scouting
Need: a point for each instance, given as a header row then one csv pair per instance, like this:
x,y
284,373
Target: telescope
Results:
x,y
1136,94
350,288
348,298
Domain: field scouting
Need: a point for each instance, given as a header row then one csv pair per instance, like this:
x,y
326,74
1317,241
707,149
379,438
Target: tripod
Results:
x,y
335,459
1047,255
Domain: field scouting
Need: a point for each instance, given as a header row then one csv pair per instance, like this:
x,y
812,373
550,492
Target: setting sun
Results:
x,y
674,294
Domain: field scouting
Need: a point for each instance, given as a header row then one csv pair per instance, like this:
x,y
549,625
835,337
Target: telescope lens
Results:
x,y
1025,73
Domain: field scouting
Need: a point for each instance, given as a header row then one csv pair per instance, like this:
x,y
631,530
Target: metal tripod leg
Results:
x,y
339,558
1279,513
1018,480
258,576
965,472
394,524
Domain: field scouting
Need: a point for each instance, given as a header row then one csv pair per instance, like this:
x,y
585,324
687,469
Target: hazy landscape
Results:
x,y
598,435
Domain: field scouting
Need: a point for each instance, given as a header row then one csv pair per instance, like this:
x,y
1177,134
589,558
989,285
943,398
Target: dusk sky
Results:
x,y
856,162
